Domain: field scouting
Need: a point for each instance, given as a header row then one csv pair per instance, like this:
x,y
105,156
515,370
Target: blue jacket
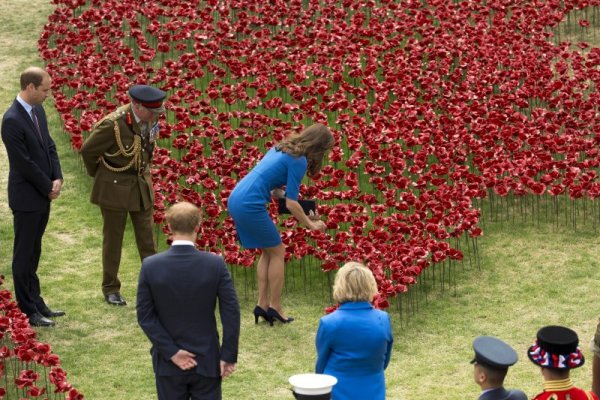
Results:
x,y
354,344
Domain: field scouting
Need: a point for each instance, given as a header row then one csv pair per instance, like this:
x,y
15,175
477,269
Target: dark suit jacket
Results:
x,y
503,394
178,291
33,161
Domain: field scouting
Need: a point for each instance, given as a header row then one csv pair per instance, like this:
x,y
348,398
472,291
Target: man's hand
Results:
x,y
55,192
57,185
184,360
227,369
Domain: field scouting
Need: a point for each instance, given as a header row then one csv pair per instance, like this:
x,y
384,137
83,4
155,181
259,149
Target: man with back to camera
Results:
x,y
34,181
556,351
178,291
491,362
118,154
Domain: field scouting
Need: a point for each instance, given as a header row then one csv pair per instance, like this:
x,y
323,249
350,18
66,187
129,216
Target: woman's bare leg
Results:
x,y
276,275
262,275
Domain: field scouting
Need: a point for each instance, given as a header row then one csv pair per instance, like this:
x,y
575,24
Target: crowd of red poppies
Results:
x,y
34,370
433,103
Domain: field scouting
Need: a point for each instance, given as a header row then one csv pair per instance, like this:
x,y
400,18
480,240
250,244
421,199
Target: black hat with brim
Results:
x,y
556,347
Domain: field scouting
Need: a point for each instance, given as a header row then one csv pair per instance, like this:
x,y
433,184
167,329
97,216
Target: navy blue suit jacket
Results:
x,y
33,162
503,394
177,294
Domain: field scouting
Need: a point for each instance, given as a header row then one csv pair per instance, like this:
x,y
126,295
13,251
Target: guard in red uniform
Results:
x,y
556,352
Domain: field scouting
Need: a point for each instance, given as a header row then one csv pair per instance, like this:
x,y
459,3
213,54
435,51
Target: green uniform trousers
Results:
x,y
112,242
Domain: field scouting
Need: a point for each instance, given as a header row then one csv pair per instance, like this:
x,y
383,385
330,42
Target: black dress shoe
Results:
x,y
48,313
115,299
38,319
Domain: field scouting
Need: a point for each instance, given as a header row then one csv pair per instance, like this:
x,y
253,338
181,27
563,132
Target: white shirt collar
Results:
x,y
182,243
28,107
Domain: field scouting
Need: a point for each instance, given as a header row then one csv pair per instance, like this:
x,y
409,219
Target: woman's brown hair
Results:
x,y
313,142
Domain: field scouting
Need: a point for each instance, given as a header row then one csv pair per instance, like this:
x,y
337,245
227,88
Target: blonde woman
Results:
x,y
283,165
354,343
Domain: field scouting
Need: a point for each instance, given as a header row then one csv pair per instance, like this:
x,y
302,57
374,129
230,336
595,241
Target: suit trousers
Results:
x,y
29,227
188,387
112,243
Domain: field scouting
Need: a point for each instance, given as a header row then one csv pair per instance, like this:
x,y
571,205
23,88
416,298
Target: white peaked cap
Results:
x,y
312,384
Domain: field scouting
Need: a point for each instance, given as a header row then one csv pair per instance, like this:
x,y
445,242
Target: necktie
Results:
x,y
37,124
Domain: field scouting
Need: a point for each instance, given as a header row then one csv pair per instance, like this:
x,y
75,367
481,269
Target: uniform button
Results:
x,y
115,181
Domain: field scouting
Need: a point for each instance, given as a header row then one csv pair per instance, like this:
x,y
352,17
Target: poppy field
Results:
x,y
435,105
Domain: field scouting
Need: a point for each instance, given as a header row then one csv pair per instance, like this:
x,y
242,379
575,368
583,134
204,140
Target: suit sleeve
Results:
x,y
149,322
323,344
18,155
56,169
388,353
99,141
229,311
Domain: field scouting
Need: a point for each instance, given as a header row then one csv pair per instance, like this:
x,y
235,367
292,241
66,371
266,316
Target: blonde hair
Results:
x,y
354,282
313,142
183,217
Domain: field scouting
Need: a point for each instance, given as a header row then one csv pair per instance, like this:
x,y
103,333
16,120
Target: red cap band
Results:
x,y
155,104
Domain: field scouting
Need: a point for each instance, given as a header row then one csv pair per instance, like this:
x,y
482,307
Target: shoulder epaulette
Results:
x,y
113,116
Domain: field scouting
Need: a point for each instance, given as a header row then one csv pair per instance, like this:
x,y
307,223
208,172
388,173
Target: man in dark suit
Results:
x,y
177,294
491,362
34,180
118,154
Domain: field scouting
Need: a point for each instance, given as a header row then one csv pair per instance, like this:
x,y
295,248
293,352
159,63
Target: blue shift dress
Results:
x,y
248,201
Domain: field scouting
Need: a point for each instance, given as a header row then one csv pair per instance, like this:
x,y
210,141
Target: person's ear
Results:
x,y
481,377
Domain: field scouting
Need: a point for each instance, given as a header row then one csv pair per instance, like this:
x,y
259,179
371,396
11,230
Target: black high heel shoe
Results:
x,y
260,312
273,315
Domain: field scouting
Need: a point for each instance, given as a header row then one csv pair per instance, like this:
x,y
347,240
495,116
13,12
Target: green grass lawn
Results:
x,y
530,275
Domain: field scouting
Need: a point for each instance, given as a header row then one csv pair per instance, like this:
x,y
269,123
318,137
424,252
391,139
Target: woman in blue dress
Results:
x,y
354,343
284,165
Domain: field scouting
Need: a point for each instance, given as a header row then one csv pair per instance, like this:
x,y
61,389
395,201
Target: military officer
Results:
x,y
556,351
118,154
491,362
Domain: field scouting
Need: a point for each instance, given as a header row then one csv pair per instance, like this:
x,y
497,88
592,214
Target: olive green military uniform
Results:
x,y
118,154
